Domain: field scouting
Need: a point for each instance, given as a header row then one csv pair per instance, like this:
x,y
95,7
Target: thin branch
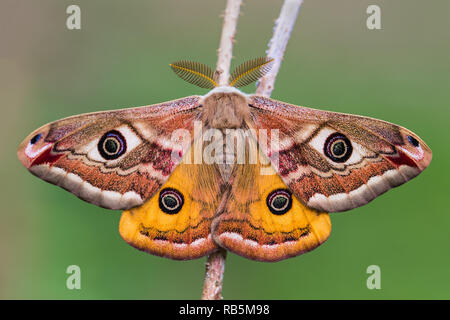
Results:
x,y
277,45
215,268
225,51
215,264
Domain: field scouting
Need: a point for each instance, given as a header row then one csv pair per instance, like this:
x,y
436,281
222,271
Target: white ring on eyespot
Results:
x,y
176,199
173,194
284,207
117,143
345,150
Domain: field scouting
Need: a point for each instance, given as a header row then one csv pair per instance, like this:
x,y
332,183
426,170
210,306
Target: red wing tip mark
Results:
x,y
402,159
40,152
46,157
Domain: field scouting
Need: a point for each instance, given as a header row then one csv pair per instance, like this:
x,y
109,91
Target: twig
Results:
x,y
225,51
277,45
215,264
215,268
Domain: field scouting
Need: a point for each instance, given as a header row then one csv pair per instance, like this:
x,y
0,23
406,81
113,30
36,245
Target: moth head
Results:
x,y
203,76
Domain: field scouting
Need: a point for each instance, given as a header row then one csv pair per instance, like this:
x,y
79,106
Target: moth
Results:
x,y
271,205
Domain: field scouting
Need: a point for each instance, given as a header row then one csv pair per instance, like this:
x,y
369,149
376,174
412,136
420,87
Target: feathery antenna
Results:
x,y
194,72
203,76
250,71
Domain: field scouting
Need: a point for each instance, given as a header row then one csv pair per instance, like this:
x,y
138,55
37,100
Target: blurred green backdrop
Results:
x,y
120,58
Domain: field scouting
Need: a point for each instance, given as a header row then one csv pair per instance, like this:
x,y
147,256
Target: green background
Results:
x,y
120,58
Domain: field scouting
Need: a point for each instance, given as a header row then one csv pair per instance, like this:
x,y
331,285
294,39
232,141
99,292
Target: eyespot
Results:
x,y
36,138
337,147
413,141
170,201
279,201
112,145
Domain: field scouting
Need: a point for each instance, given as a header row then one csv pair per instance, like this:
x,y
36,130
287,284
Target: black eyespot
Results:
x,y
170,201
413,141
337,147
112,145
279,201
36,138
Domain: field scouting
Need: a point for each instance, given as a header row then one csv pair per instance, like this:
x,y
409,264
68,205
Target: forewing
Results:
x,y
74,153
382,155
